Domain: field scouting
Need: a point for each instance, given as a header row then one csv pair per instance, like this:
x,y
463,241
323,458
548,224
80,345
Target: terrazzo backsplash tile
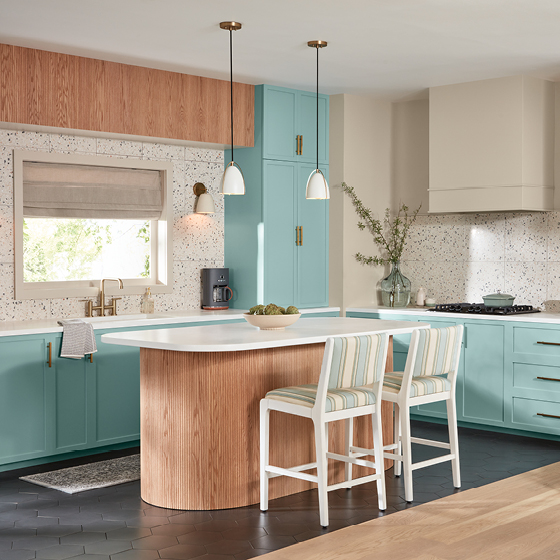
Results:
x,y
198,239
516,253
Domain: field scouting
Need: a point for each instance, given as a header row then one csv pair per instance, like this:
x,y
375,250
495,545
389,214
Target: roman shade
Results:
x,y
58,190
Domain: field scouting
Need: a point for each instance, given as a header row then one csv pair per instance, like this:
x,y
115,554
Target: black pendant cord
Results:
x,y
317,108
231,89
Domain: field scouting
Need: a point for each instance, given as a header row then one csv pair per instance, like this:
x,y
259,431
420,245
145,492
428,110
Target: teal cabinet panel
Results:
x,y
483,373
307,119
70,401
541,381
312,253
24,387
536,415
114,394
279,122
279,274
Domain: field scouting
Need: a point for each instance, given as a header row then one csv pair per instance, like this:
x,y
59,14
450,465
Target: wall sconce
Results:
x,y
205,202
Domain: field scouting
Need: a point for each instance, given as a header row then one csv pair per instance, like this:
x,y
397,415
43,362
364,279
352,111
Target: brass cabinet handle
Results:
x,y
301,145
550,343
547,415
49,361
300,235
297,235
548,378
298,151
91,358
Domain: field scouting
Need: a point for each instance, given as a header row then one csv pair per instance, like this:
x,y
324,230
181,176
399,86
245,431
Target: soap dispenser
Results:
x,y
147,305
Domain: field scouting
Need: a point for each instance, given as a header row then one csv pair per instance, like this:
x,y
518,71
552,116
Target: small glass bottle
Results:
x,y
147,305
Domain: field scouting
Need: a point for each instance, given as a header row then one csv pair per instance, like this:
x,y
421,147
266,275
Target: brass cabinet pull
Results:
x,y
297,235
547,415
298,145
548,378
49,361
300,235
91,358
301,145
550,343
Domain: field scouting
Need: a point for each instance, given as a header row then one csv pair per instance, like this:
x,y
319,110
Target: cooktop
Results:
x,y
481,309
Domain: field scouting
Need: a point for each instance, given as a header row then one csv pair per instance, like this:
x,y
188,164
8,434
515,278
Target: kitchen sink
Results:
x,y
113,318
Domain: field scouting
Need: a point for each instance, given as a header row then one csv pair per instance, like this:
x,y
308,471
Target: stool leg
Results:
x,y
397,432
264,453
454,441
406,452
378,454
348,442
321,455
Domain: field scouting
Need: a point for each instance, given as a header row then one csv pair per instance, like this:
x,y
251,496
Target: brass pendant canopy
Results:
x,y
317,187
230,25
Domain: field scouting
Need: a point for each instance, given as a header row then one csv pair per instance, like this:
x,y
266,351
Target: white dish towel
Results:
x,y
77,339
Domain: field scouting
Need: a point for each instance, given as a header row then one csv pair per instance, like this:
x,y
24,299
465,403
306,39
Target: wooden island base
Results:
x,y
200,425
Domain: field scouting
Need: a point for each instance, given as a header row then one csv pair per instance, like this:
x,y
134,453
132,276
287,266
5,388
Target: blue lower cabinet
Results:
x,y
25,390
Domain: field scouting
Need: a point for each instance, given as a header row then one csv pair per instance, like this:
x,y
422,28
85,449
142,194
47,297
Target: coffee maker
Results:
x,y
215,290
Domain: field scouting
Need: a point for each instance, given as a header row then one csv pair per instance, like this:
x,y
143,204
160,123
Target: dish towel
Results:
x,y
77,339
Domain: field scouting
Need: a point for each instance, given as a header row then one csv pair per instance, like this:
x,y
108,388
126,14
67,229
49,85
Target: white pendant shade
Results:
x,y
205,204
233,181
317,186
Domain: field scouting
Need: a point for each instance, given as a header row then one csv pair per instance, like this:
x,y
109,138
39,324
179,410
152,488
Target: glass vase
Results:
x,y
395,289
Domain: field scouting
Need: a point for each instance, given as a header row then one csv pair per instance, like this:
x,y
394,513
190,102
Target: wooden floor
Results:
x,y
511,519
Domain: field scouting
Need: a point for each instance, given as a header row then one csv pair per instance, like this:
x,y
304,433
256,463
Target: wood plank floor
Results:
x,y
516,518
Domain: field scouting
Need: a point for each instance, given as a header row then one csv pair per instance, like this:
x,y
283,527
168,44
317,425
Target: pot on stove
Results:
x,y
498,300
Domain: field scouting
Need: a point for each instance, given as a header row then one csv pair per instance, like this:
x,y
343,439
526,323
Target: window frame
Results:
x,y
161,255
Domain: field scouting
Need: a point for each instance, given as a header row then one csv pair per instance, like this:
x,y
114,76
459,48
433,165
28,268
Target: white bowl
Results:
x,y
271,322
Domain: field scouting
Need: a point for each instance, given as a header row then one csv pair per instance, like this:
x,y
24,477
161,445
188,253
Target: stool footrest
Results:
x,y
435,461
354,482
430,442
353,460
279,471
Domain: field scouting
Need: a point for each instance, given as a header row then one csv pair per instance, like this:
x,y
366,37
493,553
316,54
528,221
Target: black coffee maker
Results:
x,y
215,290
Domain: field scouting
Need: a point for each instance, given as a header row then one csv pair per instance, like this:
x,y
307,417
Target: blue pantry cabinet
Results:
x,y
276,241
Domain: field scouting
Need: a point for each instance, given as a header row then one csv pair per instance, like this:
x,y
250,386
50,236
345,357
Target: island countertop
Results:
x,y
242,336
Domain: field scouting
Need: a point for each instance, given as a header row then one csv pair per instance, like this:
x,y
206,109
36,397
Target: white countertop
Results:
x,y
523,318
242,336
44,326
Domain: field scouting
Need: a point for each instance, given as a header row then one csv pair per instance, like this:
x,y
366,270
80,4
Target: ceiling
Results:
x,y
393,49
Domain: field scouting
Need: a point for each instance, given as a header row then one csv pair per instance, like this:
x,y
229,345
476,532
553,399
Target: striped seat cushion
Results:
x,y
337,399
420,386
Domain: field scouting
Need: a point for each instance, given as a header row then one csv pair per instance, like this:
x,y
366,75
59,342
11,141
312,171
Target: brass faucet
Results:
x,y
102,307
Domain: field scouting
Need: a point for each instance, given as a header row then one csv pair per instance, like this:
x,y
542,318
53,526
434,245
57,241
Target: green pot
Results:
x,y
498,300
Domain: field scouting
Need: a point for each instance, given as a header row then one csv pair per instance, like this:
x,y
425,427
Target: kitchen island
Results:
x,y
200,390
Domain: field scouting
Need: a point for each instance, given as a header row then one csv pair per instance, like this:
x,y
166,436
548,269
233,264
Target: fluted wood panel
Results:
x,y
200,425
51,89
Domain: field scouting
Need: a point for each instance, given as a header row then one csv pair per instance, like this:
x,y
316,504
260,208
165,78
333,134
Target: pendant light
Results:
x,y
232,180
317,186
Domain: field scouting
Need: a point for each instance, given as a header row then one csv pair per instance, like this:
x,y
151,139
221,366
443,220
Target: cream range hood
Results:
x,y
492,146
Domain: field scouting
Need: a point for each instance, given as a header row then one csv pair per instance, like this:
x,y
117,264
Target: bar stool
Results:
x,y
430,375
350,385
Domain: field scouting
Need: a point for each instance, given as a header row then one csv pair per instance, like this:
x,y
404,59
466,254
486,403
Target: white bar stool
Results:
x,y
350,385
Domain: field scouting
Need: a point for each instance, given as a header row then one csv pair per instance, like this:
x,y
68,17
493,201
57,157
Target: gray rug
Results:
x,y
88,477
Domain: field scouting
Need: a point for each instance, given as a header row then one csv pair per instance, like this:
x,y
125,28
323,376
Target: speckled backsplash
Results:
x,y
460,258
198,240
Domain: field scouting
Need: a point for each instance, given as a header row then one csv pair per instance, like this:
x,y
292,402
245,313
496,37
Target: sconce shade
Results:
x,y
317,186
233,181
205,204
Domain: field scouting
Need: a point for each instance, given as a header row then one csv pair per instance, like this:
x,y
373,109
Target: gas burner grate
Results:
x,y
481,309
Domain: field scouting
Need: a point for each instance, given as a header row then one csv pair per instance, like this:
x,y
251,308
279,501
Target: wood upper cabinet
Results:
x,y
289,125
492,145
276,241
64,91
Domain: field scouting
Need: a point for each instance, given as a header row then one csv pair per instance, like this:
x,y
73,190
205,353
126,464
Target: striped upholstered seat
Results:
x,y
337,399
419,386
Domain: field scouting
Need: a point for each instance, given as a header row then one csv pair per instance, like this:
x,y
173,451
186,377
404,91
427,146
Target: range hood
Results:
x,y
492,146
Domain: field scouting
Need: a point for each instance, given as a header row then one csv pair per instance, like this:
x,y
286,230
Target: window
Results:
x,y
82,218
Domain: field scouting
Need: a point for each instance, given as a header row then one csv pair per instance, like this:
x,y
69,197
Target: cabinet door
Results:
x,y
280,233
70,398
483,380
312,254
279,123
24,387
113,394
307,127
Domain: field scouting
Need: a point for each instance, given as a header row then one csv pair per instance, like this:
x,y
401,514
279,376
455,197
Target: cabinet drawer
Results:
x,y
534,377
542,342
529,413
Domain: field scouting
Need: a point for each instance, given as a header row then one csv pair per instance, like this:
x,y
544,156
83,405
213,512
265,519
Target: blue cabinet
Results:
x,y
276,241
289,125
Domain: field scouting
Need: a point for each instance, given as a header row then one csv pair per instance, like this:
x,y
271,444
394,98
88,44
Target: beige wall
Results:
x,y
360,155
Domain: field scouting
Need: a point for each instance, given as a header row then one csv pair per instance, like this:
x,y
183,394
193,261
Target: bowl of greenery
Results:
x,y
272,317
